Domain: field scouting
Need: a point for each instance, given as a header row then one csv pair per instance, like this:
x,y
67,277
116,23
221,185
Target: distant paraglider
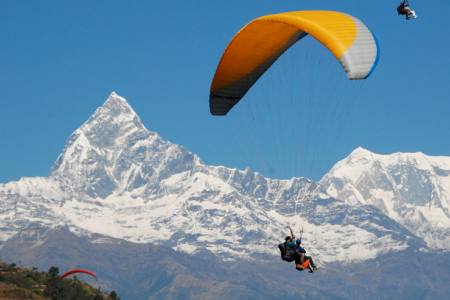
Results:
x,y
262,41
404,9
76,271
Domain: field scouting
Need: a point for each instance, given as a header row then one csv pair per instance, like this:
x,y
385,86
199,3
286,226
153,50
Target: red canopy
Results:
x,y
74,271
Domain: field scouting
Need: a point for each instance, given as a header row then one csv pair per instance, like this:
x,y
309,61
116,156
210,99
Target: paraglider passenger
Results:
x,y
301,258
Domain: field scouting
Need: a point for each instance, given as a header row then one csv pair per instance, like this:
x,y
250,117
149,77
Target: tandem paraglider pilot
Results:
x,y
293,251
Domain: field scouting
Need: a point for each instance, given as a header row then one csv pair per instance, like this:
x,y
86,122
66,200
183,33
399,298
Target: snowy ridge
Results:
x,y
118,179
411,188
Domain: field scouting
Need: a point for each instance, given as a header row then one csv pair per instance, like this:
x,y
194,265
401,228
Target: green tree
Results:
x,y
113,295
54,272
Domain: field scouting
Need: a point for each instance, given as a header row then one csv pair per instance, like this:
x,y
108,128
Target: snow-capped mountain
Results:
x,y
411,188
118,179
114,153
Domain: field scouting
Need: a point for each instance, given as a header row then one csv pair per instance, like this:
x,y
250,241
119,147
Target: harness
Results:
x,y
287,254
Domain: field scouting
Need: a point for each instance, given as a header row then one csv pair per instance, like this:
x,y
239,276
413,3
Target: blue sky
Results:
x,y
59,60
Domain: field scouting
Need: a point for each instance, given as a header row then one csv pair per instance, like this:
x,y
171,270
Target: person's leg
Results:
x,y
311,265
302,257
298,262
311,262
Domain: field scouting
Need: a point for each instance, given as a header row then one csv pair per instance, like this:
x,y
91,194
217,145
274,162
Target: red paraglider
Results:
x,y
74,271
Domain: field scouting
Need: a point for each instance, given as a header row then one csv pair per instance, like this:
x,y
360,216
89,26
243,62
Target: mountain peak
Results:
x,y
115,109
111,121
113,152
411,188
113,126
360,151
115,95
115,99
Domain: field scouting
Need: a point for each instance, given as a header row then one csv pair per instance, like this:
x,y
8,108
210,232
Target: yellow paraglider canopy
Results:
x,y
261,42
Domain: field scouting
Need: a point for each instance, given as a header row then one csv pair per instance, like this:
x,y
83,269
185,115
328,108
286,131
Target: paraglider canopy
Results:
x,y
262,41
75,271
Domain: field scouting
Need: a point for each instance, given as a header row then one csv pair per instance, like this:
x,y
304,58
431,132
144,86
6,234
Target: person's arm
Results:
x,y
292,233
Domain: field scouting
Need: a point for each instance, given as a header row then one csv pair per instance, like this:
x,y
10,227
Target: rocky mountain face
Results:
x,y
411,188
118,179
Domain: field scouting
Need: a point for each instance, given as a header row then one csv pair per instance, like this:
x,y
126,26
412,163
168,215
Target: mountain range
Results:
x,y
117,181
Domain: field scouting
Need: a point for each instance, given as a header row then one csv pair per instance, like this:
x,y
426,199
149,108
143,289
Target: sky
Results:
x,y
59,61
